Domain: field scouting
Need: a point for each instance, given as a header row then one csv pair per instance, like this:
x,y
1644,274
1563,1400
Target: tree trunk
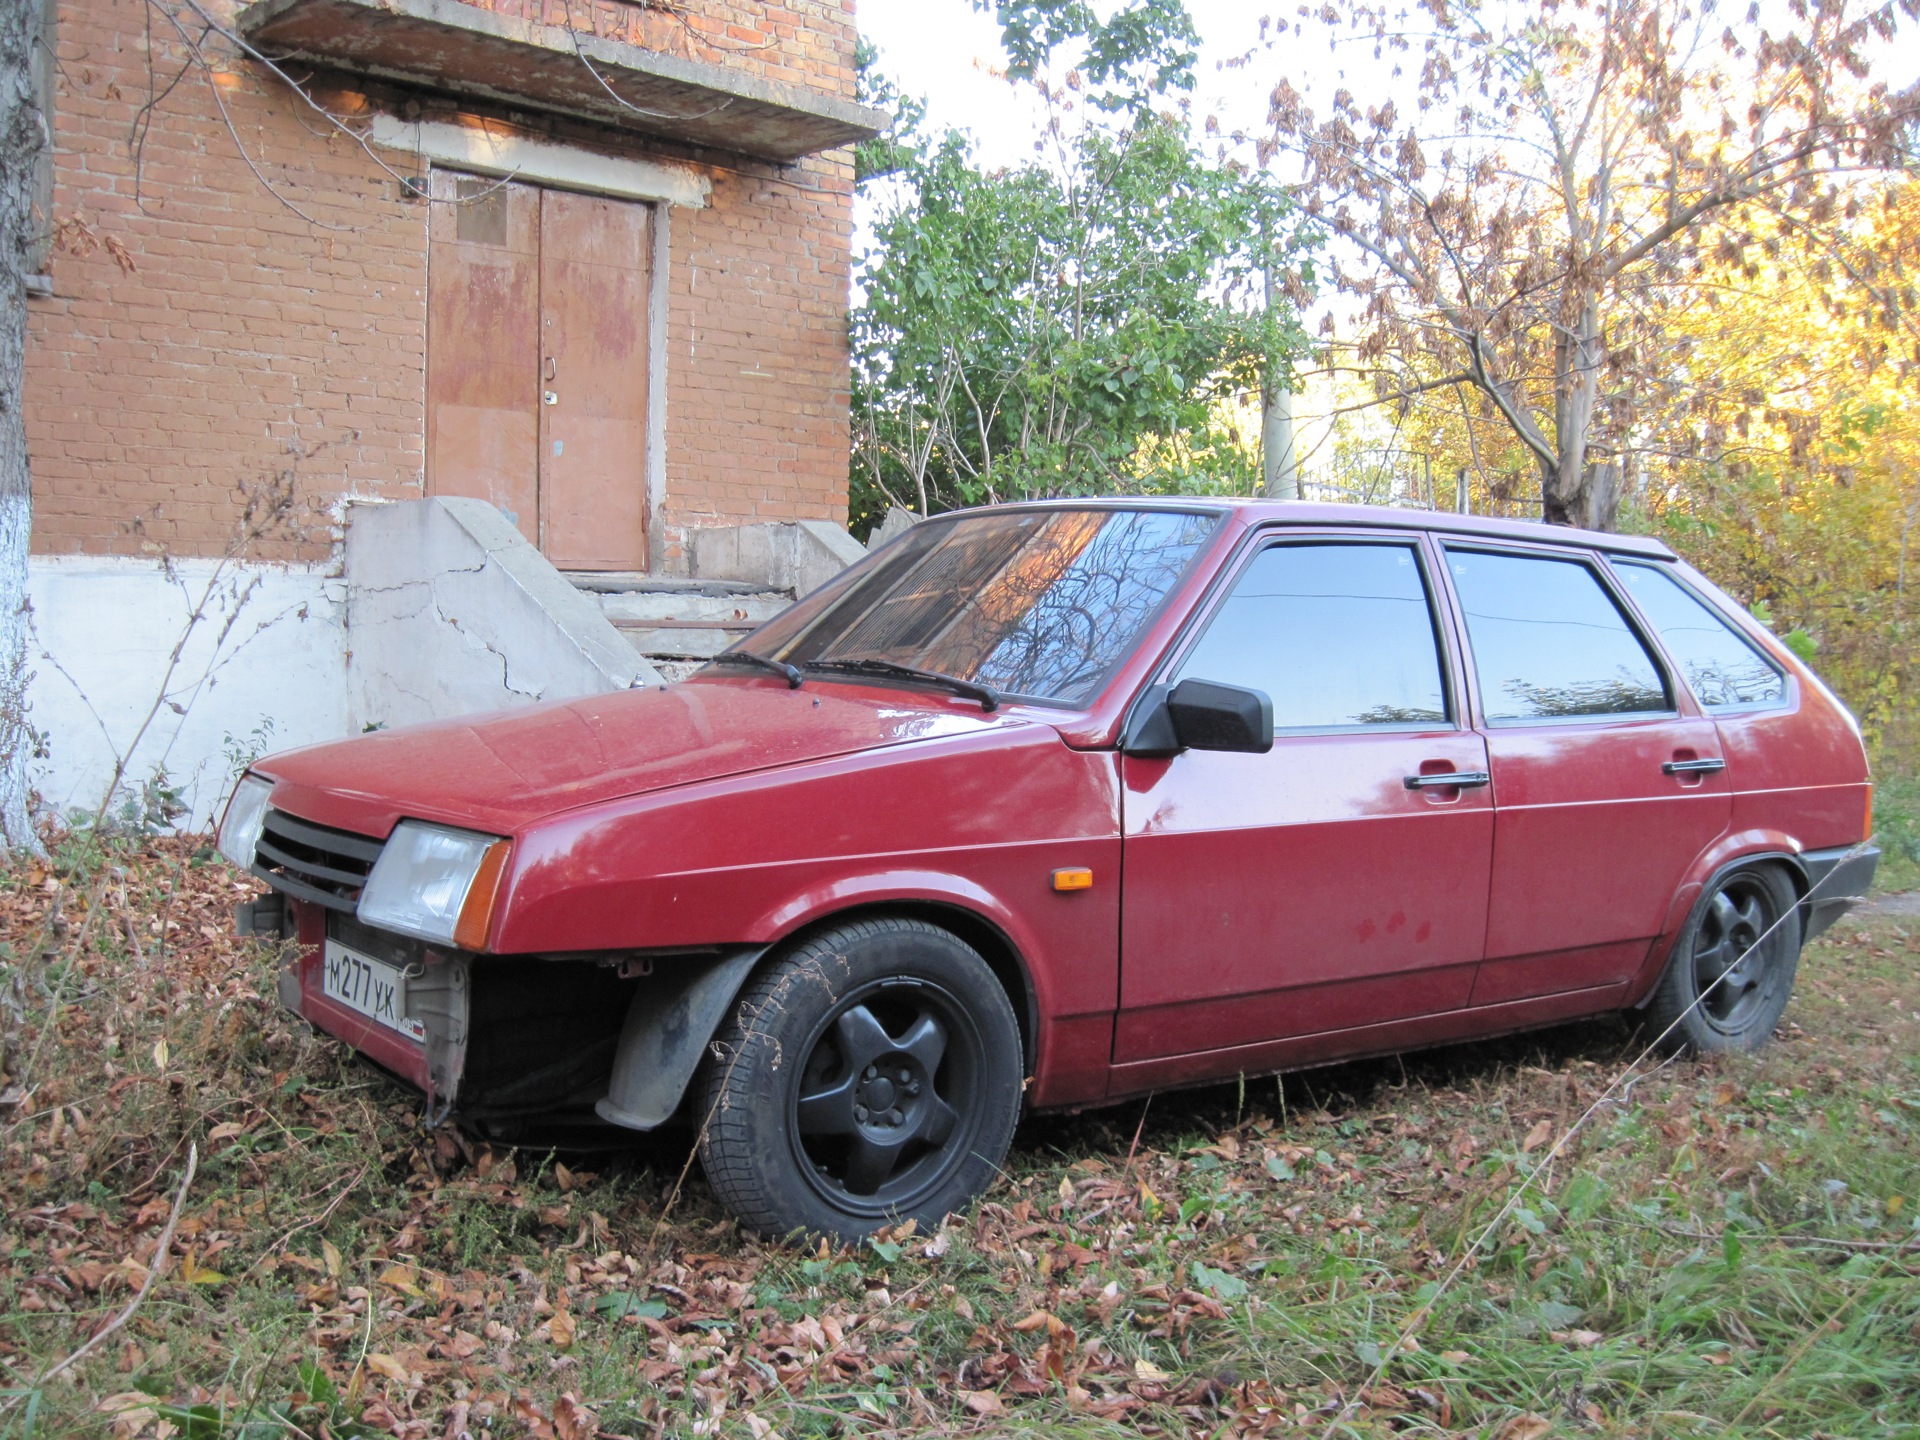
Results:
x,y
1279,469
22,135
1602,497
1577,353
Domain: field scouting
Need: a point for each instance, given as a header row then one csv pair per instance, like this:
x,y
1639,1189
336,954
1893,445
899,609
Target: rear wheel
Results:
x,y
1732,969
869,1076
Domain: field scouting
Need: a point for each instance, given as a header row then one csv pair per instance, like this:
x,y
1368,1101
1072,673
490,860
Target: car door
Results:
x,y
1337,881
1607,782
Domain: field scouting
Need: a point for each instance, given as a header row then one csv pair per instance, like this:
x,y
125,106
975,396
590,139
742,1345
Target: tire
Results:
x,y
1722,942
869,1076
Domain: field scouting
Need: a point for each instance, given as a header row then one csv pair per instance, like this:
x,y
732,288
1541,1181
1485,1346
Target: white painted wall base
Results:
x,y
269,648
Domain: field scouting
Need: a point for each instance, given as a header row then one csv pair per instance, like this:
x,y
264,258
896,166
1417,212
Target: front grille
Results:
x,y
314,862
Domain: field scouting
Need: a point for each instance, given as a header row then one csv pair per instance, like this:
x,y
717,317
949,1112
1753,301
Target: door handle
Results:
x,y
1450,780
1692,767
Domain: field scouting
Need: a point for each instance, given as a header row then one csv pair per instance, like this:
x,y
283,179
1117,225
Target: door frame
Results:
x,y
658,232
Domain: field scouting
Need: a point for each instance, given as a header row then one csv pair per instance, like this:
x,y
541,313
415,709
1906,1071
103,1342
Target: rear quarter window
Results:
x,y
1721,666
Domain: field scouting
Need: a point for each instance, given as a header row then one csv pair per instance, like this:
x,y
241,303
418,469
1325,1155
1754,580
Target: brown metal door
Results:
x,y
483,344
594,271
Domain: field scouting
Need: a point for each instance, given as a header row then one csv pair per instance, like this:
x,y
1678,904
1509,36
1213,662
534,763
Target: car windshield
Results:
x,y
1036,604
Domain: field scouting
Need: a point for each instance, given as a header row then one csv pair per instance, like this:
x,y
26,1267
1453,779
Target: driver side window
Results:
x,y
1340,636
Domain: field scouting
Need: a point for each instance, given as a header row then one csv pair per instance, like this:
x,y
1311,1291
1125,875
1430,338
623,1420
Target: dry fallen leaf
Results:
x,y
1524,1427
401,1278
382,1363
132,1411
573,1421
562,1328
981,1402
1147,1370
1537,1136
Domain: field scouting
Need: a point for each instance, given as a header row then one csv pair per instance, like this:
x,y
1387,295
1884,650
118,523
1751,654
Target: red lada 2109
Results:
x,y
1049,805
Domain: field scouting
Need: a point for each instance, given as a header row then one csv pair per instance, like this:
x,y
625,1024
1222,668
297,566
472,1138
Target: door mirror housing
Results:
x,y
1200,715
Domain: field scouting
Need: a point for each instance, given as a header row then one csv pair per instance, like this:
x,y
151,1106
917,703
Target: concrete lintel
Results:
x,y
487,151
463,49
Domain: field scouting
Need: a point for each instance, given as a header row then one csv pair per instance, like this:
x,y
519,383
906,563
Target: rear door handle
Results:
x,y
1692,767
1450,780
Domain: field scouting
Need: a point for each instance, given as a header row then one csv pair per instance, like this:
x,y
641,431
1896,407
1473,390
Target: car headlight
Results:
x,y
435,883
246,815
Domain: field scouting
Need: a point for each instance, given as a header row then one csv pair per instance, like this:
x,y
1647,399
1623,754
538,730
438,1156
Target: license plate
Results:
x,y
371,987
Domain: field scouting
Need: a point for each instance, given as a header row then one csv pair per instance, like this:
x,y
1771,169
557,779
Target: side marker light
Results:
x,y
1077,878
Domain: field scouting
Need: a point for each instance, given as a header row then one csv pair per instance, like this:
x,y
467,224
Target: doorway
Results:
x,y
537,345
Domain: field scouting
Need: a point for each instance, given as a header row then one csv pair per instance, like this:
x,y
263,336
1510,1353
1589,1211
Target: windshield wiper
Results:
x,y
786,672
988,697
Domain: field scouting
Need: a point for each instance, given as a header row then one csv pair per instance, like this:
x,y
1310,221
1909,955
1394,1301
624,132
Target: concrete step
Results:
x,y
674,622
637,607
689,642
621,582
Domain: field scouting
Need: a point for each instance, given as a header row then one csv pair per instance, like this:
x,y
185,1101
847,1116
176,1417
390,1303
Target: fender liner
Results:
x,y
672,1016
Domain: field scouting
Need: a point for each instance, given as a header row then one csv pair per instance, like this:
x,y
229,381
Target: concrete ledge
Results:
x,y
450,46
796,555
450,610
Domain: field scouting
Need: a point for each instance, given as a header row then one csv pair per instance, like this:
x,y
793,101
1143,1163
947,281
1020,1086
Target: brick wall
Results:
x,y
803,42
757,351
277,321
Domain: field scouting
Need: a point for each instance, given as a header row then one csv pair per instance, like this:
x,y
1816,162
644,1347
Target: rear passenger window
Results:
x,y
1339,635
1721,665
1549,643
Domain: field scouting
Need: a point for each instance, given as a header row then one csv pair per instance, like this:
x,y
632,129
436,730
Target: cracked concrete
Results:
x,y
451,611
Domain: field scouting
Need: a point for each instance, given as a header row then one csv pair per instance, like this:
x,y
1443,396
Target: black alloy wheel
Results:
x,y
903,1100
1732,969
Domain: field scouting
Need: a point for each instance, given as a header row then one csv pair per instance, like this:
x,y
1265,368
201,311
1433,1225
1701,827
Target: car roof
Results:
x,y
1309,512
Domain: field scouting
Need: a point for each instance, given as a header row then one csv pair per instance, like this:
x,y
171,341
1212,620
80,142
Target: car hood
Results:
x,y
501,771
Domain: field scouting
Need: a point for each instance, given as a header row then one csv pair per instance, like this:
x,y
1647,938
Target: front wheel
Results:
x,y
1732,968
869,1076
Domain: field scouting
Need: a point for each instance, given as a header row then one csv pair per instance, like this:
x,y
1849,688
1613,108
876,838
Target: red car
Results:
x,y
1043,806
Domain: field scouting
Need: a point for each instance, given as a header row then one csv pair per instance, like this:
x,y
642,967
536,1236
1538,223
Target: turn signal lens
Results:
x,y
1078,878
1866,824
476,913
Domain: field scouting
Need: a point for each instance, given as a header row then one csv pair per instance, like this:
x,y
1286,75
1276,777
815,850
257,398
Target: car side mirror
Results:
x,y
1200,715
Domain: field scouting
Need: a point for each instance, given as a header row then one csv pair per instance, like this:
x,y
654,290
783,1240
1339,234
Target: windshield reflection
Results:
x,y
1040,604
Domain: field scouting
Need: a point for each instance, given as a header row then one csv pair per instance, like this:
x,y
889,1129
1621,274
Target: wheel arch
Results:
x,y
1730,854
994,945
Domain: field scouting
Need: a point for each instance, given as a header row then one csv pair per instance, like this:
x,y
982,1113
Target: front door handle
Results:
x,y
1450,780
1692,767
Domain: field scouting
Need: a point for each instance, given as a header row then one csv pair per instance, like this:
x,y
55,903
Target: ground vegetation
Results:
x,y
1721,1247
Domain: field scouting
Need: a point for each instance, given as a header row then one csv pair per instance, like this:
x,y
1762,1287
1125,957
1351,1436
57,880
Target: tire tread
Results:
x,y
725,1094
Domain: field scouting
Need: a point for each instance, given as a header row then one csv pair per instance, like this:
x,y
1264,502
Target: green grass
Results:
x,y
1896,824
1727,1248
